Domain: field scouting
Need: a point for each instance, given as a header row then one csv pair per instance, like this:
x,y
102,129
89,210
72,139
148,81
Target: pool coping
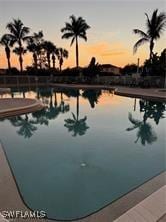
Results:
x,y
108,213
20,106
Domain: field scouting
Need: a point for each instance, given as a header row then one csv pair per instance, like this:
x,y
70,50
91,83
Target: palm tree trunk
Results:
x,y
77,54
60,67
20,56
151,49
48,60
8,61
53,61
60,63
40,61
21,62
7,49
35,60
53,64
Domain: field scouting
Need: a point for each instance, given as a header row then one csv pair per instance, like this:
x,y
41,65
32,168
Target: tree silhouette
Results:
x,y
6,42
155,27
35,46
62,53
19,51
18,34
75,29
145,131
49,48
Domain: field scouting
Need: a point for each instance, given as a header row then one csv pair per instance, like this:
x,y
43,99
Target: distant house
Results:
x,y
2,71
110,69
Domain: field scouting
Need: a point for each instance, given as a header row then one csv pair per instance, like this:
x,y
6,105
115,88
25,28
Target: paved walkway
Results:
x,y
11,107
148,210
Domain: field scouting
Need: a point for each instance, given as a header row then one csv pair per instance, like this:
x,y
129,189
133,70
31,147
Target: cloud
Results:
x,y
105,49
114,53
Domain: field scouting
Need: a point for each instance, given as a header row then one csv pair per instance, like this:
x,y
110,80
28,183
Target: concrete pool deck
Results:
x,y
12,107
10,198
145,93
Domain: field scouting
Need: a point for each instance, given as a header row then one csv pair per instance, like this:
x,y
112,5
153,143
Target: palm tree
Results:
x,y
74,30
18,34
19,51
6,42
35,45
62,53
155,27
49,48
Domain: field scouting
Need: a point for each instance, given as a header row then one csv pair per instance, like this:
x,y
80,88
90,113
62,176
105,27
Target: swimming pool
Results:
x,y
84,151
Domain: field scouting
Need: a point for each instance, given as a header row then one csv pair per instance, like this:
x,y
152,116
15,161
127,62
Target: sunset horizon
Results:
x,y
110,39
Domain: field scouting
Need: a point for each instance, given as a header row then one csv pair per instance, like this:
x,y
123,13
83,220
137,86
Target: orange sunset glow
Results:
x,y
110,39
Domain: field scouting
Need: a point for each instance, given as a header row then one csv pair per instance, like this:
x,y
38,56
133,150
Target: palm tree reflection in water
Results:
x,y
92,96
74,124
26,126
152,110
145,131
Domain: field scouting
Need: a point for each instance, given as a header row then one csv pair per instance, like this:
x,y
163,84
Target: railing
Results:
x,y
23,80
151,81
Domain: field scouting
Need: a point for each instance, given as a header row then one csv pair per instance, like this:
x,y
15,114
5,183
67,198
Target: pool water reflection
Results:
x,y
85,150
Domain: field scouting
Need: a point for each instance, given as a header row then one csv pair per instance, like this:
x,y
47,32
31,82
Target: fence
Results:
x,y
151,81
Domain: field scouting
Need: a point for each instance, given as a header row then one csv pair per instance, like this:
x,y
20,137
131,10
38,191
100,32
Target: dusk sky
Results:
x,y
110,38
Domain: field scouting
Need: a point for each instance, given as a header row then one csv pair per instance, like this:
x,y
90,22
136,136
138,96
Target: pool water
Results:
x,y
85,150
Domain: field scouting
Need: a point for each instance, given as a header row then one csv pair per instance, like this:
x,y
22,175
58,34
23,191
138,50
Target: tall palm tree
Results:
x,y
35,45
155,27
75,29
49,48
6,42
18,34
54,54
19,51
62,53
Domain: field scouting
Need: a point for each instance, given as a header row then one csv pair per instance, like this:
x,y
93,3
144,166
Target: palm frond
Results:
x,y
140,33
139,43
72,41
83,36
67,35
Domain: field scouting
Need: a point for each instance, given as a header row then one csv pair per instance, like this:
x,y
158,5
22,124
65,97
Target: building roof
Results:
x,y
108,66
